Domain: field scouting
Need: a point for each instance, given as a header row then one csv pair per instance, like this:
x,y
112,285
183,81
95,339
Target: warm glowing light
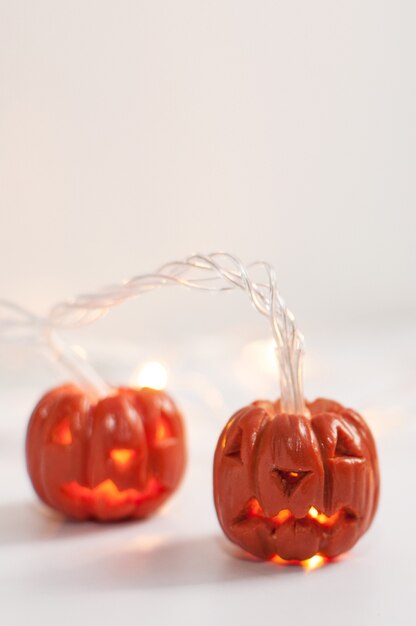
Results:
x,y
279,561
107,493
322,518
313,512
162,431
315,561
254,509
122,456
62,433
282,516
294,474
153,374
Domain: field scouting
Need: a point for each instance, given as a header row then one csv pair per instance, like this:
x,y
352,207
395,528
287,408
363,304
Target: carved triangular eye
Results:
x,y
345,446
290,479
232,447
62,433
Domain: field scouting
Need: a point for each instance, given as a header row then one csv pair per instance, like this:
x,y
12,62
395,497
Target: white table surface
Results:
x,y
176,567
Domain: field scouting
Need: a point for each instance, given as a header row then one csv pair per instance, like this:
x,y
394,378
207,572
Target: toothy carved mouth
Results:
x,y
254,511
108,493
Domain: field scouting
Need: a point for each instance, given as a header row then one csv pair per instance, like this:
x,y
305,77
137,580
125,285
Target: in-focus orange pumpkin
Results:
x,y
120,457
292,486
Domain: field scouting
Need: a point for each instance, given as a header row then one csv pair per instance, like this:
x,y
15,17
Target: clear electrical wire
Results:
x,y
218,271
19,325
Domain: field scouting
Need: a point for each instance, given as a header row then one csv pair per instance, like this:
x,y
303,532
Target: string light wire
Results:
x,y
214,272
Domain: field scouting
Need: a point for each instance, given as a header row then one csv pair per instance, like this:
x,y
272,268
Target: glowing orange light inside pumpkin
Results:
x,y
282,516
294,474
122,456
162,431
107,487
107,492
315,561
279,561
62,434
313,512
254,509
322,518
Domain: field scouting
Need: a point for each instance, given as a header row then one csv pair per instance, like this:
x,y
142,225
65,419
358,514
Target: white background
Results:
x,y
133,133
137,132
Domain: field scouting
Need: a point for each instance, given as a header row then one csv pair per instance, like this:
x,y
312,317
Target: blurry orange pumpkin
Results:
x,y
120,457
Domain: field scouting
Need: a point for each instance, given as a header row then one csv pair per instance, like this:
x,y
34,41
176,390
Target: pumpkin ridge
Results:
x,y
328,482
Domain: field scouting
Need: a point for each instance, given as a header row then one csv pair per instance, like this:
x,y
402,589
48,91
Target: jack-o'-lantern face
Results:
x,y
121,457
294,486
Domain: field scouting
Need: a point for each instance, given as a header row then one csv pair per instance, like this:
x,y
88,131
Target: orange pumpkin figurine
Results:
x,y
294,479
118,457
294,486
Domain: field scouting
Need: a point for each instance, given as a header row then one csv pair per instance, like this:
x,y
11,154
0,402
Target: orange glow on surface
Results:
x,y
62,433
108,493
314,562
122,456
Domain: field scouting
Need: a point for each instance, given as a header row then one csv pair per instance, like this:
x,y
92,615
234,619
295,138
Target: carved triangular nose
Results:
x,y
290,479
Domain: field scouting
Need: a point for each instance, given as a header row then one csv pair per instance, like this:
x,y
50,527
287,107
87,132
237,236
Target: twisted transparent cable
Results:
x,y
214,272
19,325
